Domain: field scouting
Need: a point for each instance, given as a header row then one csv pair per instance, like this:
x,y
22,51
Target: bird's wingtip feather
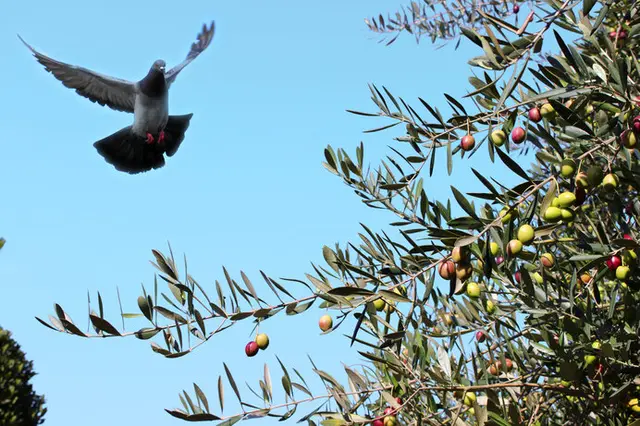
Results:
x,y
25,43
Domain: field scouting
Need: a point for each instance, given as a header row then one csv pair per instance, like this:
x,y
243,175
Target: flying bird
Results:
x,y
141,146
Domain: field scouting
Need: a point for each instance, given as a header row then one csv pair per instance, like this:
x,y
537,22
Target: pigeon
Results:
x,y
140,147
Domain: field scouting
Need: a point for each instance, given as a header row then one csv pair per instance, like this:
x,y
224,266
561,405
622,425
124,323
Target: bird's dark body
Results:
x,y
154,84
151,109
154,133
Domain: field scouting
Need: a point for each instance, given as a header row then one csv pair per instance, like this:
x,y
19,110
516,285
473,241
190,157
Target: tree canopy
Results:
x,y
19,403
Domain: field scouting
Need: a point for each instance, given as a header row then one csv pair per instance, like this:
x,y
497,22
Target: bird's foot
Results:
x,y
161,137
149,138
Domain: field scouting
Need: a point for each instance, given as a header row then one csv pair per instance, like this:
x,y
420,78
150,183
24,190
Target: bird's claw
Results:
x,y
149,138
161,137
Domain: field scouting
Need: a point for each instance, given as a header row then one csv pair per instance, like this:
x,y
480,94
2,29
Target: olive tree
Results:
x,y
514,305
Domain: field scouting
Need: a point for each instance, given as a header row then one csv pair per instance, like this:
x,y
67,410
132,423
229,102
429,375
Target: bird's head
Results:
x,y
159,65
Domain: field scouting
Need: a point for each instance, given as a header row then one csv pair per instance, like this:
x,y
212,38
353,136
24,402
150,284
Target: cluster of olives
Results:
x,y
468,399
261,342
389,418
623,264
497,366
618,34
459,266
518,134
634,405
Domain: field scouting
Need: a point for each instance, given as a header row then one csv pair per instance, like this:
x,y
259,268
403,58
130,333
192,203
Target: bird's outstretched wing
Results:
x,y
204,39
107,91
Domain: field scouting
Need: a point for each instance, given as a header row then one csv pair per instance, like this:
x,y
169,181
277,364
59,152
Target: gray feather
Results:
x,y
115,93
199,46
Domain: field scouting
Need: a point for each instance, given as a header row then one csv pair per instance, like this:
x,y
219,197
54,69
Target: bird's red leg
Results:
x,y
149,138
161,137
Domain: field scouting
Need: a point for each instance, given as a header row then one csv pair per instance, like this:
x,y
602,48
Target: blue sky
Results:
x,y
246,189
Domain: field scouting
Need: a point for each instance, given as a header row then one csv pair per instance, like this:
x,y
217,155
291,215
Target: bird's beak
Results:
x,y
162,69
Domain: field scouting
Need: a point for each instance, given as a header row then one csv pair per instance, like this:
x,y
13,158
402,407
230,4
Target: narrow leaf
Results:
x,y
104,325
232,382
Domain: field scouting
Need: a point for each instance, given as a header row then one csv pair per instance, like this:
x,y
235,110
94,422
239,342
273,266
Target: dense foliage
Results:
x,y
19,404
517,306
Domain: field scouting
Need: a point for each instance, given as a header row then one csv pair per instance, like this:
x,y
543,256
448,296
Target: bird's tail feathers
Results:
x,y
174,132
130,153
